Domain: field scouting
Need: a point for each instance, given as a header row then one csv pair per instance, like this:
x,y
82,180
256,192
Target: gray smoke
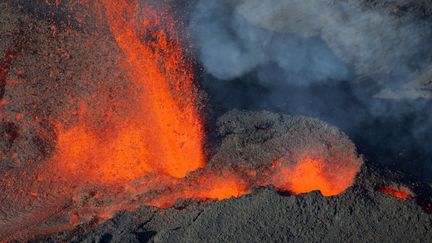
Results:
x,y
307,41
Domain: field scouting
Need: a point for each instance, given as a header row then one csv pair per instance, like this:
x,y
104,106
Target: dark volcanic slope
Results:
x,y
361,214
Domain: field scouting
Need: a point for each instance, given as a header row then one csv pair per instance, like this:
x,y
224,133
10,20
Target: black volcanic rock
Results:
x,y
360,214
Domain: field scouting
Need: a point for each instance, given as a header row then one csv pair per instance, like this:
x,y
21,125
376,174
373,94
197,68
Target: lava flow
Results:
x,y
402,193
147,147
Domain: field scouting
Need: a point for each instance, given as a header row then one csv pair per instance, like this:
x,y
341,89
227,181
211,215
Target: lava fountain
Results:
x,y
165,135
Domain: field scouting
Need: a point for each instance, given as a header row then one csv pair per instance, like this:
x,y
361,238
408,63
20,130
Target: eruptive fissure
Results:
x,y
152,152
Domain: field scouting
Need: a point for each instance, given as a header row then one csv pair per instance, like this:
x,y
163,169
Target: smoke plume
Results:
x,y
306,41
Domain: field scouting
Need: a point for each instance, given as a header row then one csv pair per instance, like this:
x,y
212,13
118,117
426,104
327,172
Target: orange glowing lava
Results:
x,y
207,185
169,96
402,193
311,174
164,134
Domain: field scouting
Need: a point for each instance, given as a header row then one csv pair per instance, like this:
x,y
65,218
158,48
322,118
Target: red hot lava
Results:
x,y
153,153
164,135
402,193
310,174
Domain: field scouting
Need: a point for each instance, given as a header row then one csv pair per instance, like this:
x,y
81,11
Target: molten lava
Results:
x,y
161,140
310,174
212,185
164,134
402,193
169,96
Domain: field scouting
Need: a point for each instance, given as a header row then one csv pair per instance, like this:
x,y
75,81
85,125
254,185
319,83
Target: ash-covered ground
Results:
x,y
360,214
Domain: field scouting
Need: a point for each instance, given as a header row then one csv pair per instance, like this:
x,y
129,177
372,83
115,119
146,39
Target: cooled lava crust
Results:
x,y
360,214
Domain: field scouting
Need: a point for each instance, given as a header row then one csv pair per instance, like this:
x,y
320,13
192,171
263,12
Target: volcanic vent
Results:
x,y
105,135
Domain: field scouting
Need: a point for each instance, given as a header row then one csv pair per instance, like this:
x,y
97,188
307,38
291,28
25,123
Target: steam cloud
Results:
x,y
330,59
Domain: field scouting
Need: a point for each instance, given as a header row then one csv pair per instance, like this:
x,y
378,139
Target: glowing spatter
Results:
x,y
310,174
165,133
